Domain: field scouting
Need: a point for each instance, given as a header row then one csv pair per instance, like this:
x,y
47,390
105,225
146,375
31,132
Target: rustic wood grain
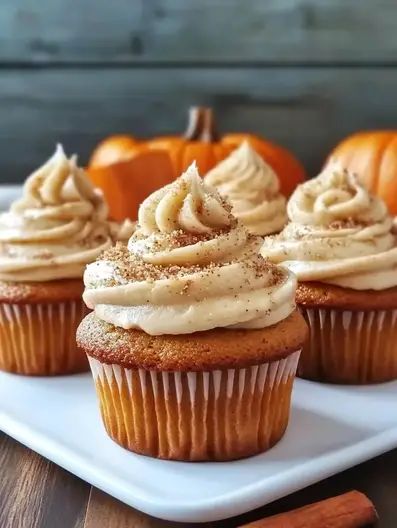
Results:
x,y
296,31
106,512
52,31
34,493
307,110
210,31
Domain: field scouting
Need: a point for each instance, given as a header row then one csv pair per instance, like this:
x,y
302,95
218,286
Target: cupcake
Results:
x,y
253,189
341,246
46,239
194,338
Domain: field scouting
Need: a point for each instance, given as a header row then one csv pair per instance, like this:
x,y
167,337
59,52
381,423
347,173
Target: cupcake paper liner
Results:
x,y
39,339
355,347
216,415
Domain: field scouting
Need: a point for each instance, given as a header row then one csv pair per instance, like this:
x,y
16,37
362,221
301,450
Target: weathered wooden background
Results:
x,y
302,72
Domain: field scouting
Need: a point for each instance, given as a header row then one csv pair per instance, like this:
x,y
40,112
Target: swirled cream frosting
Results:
x,y
122,231
190,266
253,189
338,233
56,228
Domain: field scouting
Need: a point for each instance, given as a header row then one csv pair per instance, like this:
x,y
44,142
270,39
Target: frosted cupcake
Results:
x,y
253,189
194,338
340,244
46,239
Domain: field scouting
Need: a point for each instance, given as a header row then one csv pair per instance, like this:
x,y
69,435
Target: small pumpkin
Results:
x,y
372,156
202,143
114,149
127,183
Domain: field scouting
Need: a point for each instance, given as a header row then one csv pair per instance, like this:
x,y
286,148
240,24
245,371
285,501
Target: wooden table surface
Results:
x,y
35,493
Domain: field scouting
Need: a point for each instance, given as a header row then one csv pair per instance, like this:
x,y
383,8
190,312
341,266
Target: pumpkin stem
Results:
x,y
201,125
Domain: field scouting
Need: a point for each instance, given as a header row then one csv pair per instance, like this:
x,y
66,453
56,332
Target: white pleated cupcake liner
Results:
x,y
40,339
347,346
219,414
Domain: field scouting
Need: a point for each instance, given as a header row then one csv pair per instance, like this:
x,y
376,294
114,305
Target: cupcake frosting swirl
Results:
x,y
253,189
338,233
189,267
56,228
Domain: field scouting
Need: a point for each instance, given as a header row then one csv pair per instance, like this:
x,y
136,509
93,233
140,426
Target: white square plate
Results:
x,y
332,428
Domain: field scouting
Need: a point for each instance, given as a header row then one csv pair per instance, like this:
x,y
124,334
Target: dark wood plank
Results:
x,y
307,110
52,31
213,31
106,512
270,31
34,493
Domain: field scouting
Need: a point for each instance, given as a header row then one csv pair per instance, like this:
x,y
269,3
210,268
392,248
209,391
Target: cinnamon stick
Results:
x,y
350,510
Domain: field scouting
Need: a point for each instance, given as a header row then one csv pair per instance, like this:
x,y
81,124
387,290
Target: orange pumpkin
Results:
x,y
202,143
114,149
127,183
372,156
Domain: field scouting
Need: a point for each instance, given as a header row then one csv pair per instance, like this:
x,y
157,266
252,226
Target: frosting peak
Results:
x,y
185,204
60,189
57,227
338,233
186,222
189,267
253,189
335,195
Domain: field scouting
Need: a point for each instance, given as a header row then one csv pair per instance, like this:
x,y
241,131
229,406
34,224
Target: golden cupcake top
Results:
x,y
253,189
219,348
190,266
338,233
56,228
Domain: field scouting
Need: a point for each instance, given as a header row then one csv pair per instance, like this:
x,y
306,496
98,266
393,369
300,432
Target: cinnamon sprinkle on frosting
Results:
x,y
338,234
189,267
